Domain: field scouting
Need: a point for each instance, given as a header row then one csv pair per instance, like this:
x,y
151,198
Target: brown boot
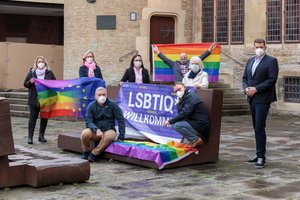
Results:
x,y
198,142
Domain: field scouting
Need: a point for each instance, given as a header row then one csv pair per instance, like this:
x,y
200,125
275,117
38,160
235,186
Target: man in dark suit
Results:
x,y
259,82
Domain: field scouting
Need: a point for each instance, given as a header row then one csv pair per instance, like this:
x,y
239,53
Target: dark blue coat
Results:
x,y
191,109
103,117
264,79
83,72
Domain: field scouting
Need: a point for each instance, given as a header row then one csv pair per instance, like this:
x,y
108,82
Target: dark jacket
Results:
x,y
130,75
83,72
264,79
191,109
176,64
103,117
32,93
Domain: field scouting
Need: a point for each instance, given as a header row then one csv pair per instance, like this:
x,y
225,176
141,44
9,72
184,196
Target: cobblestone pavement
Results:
x,y
229,178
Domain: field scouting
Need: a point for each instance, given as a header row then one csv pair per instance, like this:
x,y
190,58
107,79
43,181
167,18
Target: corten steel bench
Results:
x,y
31,166
208,152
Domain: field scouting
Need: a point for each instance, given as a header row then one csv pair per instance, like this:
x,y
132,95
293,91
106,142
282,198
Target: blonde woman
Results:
x,y
89,66
40,70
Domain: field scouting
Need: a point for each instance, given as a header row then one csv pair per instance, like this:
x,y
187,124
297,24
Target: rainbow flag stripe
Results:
x,y
163,73
68,98
161,154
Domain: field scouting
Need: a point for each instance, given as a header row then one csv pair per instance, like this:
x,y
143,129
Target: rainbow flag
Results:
x,y
68,98
161,154
163,73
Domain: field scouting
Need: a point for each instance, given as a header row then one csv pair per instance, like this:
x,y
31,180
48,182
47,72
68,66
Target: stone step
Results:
x,y
237,106
234,100
18,113
18,95
19,107
218,85
236,112
18,101
234,95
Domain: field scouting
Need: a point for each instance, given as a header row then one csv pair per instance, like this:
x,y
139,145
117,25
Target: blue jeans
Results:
x,y
186,130
259,117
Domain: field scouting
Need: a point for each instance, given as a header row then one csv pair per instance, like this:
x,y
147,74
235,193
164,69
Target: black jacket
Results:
x,y
83,72
32,94
103,117
264,79
130,76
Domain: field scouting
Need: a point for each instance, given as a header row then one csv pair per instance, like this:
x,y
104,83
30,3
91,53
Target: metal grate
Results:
x,y
292,89
237,21
292,20
222,21
207,21
274,21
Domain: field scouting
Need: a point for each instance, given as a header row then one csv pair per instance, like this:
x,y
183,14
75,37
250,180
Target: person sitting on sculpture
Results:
x,y
192,120
100,125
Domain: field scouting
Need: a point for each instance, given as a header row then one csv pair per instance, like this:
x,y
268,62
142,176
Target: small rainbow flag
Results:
x,y
163,73
68,98
161,154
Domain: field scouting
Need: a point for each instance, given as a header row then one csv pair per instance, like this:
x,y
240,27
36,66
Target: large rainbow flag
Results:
x,y
66,97
161,154
163,73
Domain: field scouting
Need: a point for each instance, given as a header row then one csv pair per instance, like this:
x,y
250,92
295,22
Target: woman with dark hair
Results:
x,y
89,66
136,73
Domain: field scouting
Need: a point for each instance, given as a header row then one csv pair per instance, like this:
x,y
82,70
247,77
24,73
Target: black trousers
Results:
x,y
34,113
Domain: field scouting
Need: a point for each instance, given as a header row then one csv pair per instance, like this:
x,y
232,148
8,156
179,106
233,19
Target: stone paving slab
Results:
x,y
229,178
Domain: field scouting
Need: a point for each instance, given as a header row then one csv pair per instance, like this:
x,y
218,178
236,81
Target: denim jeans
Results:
x,y
259,117
186,130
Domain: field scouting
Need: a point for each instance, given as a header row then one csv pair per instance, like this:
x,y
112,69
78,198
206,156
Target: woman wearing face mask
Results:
x,y
89,66
136,73
40,70
196,77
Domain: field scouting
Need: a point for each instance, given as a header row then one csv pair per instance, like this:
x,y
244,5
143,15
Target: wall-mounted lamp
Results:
x,y
132,16
91,1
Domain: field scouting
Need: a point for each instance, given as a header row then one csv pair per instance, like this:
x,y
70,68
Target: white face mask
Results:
x,y
41,65
101,99
259,52
89,60
195,68
180,94
137,64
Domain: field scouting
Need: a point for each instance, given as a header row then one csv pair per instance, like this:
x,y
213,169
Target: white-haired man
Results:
x,y
100,125
196,77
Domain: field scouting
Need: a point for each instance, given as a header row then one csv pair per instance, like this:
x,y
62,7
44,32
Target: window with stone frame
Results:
x,y
292,89
274,10
237,21
207,21
291,20
222,21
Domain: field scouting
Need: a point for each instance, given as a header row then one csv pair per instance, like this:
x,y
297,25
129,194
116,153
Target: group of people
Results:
x,y
191,122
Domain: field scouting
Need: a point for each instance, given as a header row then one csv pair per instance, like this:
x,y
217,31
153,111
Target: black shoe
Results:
x,y
30,141
260,163
85,155
252,160
92,157
42,139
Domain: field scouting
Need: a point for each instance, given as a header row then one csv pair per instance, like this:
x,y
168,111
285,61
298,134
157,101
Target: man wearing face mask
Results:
x,y
136,73
192,120
100,125
40,70
181,66
196,77
259,81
